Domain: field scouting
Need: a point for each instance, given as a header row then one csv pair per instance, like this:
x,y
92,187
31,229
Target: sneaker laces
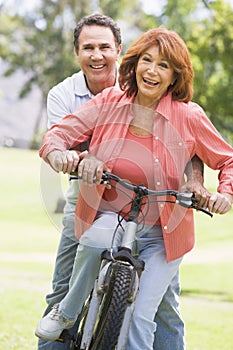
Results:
x,y
55,314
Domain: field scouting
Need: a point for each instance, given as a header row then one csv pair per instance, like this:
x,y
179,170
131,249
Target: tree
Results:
x,y
41,46
214,84
40,43
207,28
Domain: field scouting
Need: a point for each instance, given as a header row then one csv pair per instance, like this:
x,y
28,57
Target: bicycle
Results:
x,y
105,318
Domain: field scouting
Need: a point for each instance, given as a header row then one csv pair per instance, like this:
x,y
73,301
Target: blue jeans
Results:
x,y
170,327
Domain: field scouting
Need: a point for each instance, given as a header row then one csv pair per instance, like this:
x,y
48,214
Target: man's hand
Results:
x,y
65,161
200,192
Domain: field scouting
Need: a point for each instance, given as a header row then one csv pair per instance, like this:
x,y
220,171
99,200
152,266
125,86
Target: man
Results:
x,y
97,46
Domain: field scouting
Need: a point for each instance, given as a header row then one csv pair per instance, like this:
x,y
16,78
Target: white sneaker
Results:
x,y
51,326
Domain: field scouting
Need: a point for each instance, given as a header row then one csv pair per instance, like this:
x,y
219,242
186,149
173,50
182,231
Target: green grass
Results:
x,y
207,305
196,284
19,315
28,243
207,286
208,324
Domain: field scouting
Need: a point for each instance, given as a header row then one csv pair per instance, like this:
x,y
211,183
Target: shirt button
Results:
x,y
165,227
180,143
156,138
156,160
161,205
158,183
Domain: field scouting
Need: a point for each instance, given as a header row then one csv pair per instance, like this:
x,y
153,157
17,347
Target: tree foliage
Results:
x,y
214,69
207,29
40,42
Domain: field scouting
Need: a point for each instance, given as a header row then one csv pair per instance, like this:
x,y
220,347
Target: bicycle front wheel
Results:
x,y
113,309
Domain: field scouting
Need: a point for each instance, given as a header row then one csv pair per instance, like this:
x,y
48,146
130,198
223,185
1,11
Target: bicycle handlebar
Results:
x,y
185,199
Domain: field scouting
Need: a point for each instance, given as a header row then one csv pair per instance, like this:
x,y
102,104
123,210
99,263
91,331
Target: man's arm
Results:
x,y
195,180
58,104
195,170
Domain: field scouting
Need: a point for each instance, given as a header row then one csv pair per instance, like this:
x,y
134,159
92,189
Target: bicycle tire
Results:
x,y
113,309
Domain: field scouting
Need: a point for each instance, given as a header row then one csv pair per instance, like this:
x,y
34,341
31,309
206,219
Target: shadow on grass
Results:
x,y
208,294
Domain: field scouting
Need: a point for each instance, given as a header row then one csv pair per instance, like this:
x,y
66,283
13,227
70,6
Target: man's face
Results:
x,y
97,56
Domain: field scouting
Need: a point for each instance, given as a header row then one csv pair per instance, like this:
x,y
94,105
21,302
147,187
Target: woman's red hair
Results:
x,y
171,48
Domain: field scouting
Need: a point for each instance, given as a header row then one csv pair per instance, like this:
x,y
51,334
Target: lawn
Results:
x,y
29,236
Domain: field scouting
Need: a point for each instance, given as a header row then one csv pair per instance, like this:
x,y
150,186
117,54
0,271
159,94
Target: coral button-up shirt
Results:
x,y
180,130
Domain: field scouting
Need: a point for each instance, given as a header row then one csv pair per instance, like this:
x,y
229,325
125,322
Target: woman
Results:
x,y
146,132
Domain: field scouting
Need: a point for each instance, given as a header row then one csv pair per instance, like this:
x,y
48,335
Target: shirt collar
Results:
x,y
163,108
80,86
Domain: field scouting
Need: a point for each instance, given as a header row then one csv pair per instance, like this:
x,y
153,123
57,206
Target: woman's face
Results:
x,y
153,75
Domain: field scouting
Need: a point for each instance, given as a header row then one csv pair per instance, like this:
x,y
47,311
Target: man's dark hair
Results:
x,y
99,20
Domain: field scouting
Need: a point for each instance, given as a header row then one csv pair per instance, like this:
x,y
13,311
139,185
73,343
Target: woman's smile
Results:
x,y
150,82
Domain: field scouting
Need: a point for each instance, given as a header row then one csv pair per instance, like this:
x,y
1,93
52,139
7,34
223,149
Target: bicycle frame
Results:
x,y
124,257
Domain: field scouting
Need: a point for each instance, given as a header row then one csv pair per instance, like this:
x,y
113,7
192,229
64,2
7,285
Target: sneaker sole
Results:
x,y
44,337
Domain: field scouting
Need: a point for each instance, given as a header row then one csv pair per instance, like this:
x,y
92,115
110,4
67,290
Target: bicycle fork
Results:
x,y
121,258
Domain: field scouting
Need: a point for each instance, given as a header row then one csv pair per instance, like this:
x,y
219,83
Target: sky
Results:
x,y
154,6
150,6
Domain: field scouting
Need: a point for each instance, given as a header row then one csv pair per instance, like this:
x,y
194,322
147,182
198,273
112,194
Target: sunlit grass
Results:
x,y
208,323
28,244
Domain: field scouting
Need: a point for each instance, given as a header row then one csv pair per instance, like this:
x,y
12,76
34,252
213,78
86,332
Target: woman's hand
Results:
x,y
65,161
91,169
220,203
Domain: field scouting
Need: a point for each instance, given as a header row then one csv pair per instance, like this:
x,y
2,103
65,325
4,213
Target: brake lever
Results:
x,y
205,211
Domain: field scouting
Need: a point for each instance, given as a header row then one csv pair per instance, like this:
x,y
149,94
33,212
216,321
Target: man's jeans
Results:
x,y
170,326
